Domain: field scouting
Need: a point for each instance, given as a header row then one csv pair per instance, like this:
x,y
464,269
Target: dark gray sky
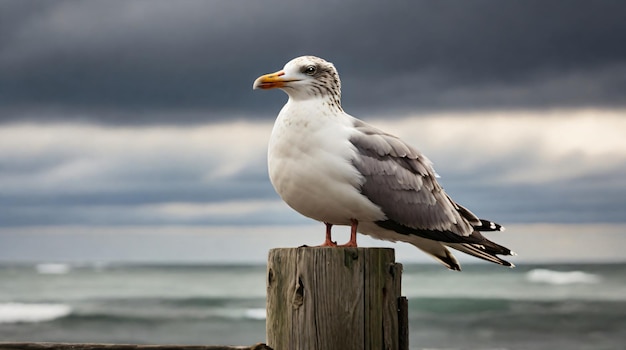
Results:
x,y
135,62
138,113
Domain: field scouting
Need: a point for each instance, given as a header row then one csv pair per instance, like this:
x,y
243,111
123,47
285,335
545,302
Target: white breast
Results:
x,y
309,160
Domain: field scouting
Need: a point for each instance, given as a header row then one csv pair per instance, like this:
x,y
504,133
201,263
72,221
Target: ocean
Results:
x,y
484,307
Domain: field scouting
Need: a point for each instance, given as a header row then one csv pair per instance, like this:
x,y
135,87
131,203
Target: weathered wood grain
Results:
x,y
333,298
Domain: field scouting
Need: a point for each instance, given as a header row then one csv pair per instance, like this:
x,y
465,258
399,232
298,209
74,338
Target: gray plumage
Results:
x,y
340,170
402,181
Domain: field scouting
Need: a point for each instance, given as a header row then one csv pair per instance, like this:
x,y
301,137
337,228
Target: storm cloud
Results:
x,y
216,174
133,62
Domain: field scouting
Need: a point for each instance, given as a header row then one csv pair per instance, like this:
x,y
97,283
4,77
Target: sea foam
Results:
x,y
53,268
561,277
255,314
31,313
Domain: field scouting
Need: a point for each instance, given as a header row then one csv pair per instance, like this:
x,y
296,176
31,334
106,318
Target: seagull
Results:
x,y
334,168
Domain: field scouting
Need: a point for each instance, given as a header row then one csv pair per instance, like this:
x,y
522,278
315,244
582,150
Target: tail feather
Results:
x,y
437,251
435,242
481,252
489,246
483,248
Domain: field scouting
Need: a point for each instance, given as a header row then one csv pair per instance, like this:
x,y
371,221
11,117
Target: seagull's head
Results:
x,y
304,77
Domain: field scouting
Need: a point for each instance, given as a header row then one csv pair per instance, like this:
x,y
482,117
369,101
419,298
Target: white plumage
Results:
x,y
337,169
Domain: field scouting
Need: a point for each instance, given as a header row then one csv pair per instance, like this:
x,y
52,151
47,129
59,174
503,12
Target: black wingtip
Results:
x,y
486,225
483,251
449,260
451,264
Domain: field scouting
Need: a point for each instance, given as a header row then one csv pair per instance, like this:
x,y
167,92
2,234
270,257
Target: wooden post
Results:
x,y
334,299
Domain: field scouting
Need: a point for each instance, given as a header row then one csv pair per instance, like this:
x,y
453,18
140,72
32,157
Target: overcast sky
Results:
x,y
126,62
141,113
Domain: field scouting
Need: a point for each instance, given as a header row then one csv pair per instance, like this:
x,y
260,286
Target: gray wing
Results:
x,y
402,181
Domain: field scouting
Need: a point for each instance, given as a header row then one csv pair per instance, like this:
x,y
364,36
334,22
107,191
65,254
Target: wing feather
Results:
x,y
402,181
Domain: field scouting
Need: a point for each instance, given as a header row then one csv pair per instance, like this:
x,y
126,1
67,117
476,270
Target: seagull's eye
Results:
x,y
310,70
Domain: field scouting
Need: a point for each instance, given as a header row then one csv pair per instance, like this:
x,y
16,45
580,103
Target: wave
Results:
x,y
520,310
448,305
53,268
561,277
255,314
32,313
231,313
168,315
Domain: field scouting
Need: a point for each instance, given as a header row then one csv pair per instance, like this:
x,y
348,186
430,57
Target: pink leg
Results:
x,y
329,240
352,242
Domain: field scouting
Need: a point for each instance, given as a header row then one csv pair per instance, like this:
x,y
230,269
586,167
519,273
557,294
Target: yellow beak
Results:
x,y
270,81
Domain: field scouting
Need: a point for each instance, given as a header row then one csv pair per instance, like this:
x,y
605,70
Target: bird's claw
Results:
x,y
328,243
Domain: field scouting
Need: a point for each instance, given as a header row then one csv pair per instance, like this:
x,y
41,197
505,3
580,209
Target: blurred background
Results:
x,y
133,161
